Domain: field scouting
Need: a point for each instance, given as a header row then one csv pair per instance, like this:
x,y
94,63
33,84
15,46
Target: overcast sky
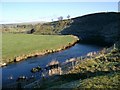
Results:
x,y
13,12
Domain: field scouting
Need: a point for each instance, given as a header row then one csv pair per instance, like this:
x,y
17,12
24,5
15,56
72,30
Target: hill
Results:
x,y
102,27
91,28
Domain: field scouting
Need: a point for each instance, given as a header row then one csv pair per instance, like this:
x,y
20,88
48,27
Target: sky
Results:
x,y
14,12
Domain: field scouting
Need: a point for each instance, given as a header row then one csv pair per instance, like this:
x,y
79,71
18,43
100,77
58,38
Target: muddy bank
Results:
x,y
35,54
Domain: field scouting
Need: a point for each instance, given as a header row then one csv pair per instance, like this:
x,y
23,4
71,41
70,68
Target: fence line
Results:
x,y
78,60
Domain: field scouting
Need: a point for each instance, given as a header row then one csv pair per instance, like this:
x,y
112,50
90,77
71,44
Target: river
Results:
x,y
15,70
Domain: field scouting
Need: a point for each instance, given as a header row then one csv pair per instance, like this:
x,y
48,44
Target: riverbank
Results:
x,y
56,43
16,70
97,71
19,58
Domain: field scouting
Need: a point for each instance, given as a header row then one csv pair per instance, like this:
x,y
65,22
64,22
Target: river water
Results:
x,y
21,68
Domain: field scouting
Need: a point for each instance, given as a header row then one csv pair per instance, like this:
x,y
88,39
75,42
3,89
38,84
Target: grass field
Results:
x,y
18,44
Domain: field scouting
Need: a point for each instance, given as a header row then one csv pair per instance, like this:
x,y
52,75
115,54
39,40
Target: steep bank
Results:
x,y
100,28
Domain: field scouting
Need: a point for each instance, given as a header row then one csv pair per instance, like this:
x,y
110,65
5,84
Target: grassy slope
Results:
x,y
51,27
18,44
105,69
111,80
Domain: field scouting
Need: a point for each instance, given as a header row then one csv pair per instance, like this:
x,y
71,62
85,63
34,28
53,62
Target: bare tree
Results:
x,y
68,16
60,18
52,20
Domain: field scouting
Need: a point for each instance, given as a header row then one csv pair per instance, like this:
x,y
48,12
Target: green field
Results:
x,y
14,45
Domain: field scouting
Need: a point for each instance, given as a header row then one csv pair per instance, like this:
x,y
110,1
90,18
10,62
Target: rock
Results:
x,y
36,69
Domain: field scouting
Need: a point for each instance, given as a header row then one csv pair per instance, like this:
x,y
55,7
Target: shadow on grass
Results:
x,y
88,74
62,79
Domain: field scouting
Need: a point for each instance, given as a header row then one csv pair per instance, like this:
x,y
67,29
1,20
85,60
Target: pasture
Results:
x,y
14,45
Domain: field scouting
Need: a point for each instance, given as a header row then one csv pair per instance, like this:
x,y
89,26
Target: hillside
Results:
x,y
52,27
91,28
102,27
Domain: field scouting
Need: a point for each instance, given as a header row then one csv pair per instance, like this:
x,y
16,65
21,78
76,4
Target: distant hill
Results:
x,y
99,27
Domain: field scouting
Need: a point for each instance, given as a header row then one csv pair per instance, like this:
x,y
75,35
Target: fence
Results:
x,y
67,66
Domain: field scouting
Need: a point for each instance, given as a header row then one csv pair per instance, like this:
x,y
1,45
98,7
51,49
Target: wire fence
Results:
x,y
72,63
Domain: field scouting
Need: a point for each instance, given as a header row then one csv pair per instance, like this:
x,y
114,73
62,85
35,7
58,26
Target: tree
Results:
x,y
52,20
68,16
60,18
